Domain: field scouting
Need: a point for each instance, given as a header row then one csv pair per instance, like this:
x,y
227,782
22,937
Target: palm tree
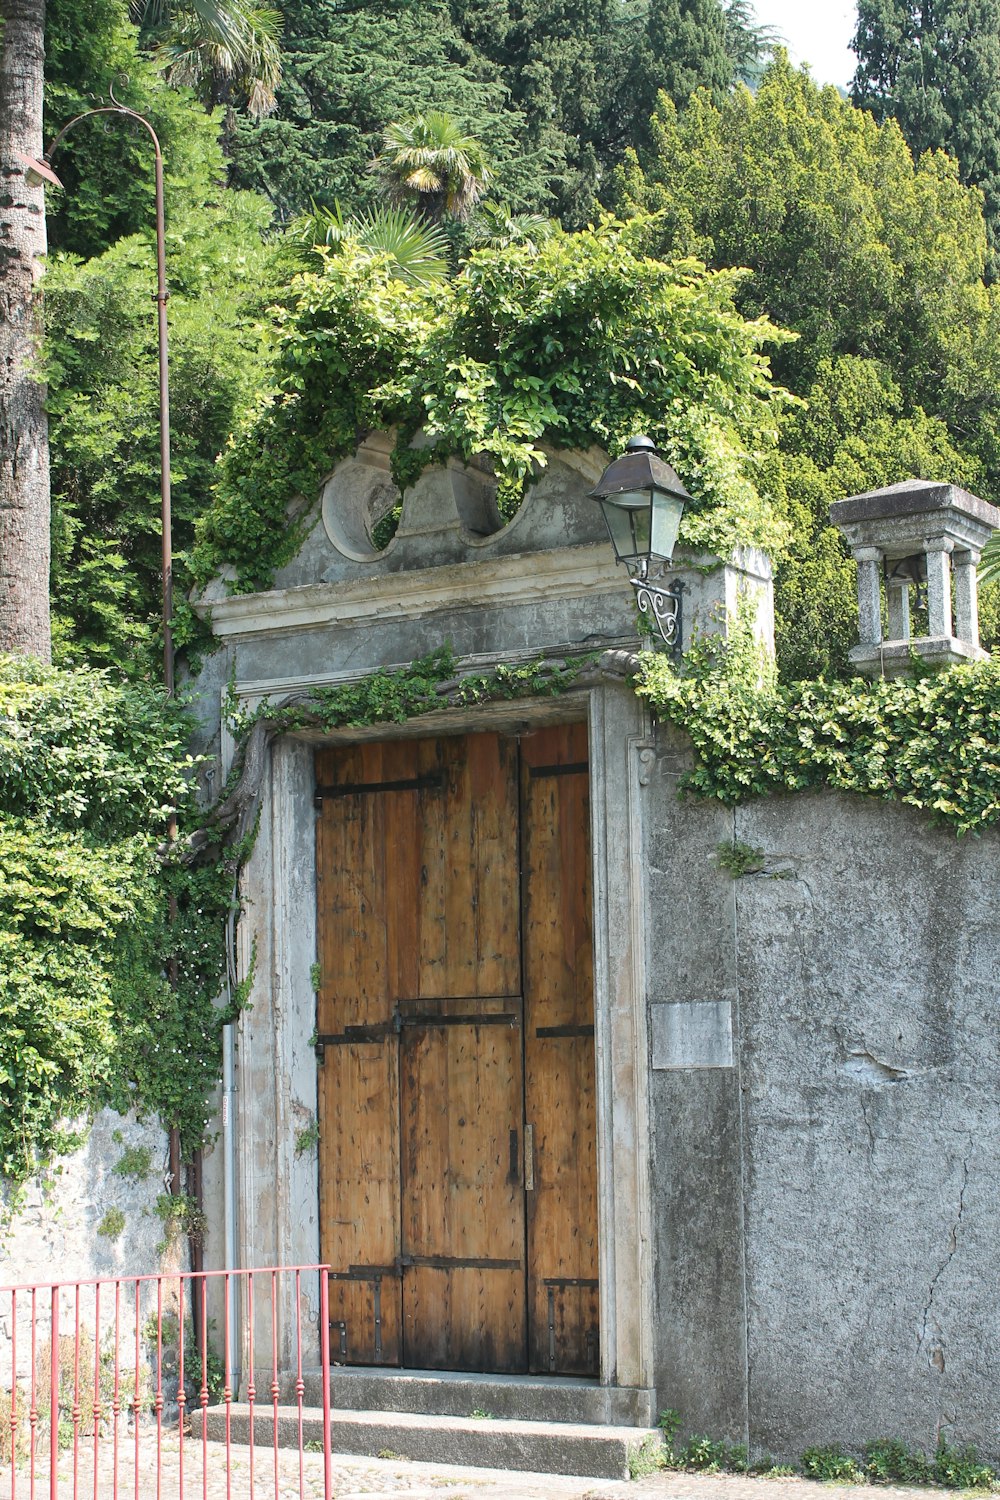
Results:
x,y
225,49
496,226
417,251
428,161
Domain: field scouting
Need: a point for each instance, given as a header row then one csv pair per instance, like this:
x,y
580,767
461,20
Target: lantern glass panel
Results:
x,y
627,524
667,511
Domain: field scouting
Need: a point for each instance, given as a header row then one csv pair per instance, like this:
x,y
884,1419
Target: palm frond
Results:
x,y
989,563
417,251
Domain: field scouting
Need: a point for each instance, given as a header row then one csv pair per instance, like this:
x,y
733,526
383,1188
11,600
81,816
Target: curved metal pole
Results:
x,y
160,298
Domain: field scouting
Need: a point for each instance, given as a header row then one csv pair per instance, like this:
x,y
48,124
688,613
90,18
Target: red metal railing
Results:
x,y
167,1387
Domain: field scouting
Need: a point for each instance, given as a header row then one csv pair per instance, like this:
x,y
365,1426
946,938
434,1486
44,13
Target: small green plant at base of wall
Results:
x,y
882,1461
830,1464
645,1458
307,1139
112,1224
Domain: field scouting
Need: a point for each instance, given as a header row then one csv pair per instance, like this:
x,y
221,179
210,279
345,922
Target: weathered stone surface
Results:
x,y
535,1447
864,1132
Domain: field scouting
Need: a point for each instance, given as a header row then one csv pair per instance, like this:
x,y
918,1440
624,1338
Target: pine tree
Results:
x,y
935,66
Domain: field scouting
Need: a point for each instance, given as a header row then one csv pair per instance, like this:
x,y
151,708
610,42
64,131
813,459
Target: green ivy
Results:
x,y
928,741
576,341
89,768
394,695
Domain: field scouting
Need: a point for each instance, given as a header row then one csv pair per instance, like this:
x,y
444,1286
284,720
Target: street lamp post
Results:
x,y
642,500
43,171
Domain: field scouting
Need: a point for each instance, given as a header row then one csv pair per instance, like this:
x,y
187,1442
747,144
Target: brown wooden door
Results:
x,y
560,1103
433,1040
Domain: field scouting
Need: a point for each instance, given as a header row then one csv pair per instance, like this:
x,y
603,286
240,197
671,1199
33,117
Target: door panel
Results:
x,y
358,1079
431,857
559,1051
462,1194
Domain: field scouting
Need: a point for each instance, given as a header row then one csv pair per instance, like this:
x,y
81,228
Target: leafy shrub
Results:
x,y
89,768
576,341
831,1464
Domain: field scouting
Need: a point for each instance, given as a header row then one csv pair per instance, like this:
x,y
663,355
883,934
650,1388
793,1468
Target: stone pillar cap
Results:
x,y
899,518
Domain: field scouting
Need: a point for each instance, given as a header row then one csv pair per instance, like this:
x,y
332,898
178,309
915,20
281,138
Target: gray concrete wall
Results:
x,y
826,1220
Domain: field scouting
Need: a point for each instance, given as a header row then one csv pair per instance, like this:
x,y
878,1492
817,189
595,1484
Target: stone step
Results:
x,y
447,1393
571,1448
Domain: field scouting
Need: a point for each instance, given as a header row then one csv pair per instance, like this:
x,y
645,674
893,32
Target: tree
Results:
x,y
877,262
227,52
430,162
344,84
935,66
24,448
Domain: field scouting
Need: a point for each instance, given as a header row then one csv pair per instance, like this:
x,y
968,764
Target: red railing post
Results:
x,y
120,1390
324,1354
54,1400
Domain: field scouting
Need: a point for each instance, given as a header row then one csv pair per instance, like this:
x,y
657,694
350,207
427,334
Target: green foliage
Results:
x,y
200,1357
645,1458
703,1454
960,1468
853,245
428,162
106,163
88,771
831,1464
394,696
554,89
936,68
928,742
574,341
104,417
877,262
180,1215
344,84
739,858
112,1224
229,51
135,1161
417,251
884,1461
307,1139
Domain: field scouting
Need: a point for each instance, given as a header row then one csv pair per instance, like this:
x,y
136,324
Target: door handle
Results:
x,y
529,1158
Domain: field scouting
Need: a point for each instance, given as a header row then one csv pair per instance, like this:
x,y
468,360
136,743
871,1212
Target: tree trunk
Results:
x,y
24,434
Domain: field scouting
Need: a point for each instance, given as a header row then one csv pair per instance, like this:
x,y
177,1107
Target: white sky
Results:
x,y
817,32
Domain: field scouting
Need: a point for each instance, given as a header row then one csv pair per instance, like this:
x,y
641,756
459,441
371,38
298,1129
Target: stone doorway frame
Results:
x,y
277,1195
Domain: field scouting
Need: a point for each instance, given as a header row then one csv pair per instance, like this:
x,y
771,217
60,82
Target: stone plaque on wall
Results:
x,y
692,1034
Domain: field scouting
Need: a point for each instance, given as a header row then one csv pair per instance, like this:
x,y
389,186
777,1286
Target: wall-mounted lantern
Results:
x,y
642,500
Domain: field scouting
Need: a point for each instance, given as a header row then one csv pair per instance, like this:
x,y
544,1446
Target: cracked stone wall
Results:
x,y
86,1220
824,1184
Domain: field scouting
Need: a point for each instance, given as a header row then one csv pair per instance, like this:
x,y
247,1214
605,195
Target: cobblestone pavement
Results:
x,y
355,1478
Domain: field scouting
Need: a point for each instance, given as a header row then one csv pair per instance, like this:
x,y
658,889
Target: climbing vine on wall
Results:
x,y
580,340
928,741
88,770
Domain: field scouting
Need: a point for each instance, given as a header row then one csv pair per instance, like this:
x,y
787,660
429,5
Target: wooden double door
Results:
x,y
458,1177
